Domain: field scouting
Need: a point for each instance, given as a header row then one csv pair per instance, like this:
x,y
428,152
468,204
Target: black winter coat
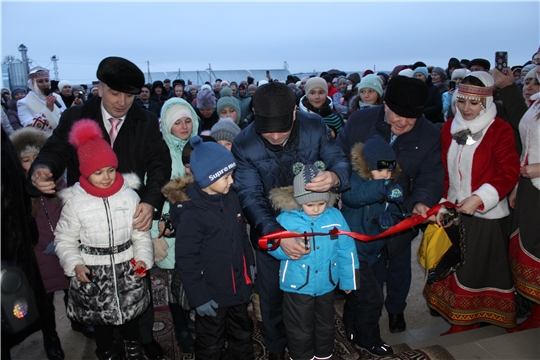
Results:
x,y
138,146
213,252
418,152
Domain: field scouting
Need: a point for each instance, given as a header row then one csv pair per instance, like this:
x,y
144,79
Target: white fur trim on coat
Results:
x,y
460,158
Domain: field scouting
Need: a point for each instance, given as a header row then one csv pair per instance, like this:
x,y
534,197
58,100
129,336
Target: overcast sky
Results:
x,y
255,35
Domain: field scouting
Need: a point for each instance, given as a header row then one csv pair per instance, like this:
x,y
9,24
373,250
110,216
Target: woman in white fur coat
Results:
x,y
482,168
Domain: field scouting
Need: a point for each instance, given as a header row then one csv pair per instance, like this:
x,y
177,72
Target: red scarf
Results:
x,y
102,193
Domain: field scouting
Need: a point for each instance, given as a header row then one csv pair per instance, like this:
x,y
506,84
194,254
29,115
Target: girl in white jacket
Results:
x,y
98,247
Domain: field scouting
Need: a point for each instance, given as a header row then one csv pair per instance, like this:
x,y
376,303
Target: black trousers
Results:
x,y
396,272
104,334
271,302
363,308
310,325
233,324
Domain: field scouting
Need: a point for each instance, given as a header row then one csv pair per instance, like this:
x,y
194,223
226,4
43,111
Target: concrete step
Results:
x,y
488,342
519,345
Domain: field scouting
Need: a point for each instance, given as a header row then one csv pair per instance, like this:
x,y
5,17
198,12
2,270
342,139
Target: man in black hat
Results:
x,y
135,138
479,64
416,143
265,152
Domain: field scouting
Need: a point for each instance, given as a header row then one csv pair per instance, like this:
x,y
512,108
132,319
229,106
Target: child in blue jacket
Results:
x,y
309,282
370,208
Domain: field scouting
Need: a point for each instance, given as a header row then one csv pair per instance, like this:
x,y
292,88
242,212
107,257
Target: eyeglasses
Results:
x,y
385,164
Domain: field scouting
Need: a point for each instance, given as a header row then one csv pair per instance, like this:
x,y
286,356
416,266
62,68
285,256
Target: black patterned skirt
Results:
x,y
525,241
117,296
482,289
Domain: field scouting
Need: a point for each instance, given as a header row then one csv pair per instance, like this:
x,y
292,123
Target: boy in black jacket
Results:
x,y
213,253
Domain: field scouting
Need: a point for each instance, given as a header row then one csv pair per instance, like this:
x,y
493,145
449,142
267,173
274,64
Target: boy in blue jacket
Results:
x,y
370,208
213,253
309,282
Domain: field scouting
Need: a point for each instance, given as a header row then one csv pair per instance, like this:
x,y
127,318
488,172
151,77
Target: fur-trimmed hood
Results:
x,y
361,166
283,199
28,139
175,190
131,180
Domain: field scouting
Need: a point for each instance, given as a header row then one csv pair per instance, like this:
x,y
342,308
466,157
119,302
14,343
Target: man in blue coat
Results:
x,y
265,152
416,143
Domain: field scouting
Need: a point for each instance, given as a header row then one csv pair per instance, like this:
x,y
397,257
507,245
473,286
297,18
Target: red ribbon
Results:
x,y
273,239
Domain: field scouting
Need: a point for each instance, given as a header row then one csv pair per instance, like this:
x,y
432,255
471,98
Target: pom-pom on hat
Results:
x,y
206,100
316,82
274,105
225,129
93,151
375,151
209,161
304,175
121,75
406,96
188,149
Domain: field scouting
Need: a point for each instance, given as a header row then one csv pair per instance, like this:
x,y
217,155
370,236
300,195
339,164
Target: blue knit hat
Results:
x,y
209,161
422,70
375,150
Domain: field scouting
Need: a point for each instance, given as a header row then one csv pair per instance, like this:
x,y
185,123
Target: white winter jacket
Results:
x,y
85,217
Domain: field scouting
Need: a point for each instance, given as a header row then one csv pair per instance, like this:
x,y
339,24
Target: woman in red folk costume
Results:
x,y
482,168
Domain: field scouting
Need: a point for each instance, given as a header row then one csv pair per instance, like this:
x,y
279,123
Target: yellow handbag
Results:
x,y
435,243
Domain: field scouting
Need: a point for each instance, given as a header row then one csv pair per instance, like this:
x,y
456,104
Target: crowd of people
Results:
x,y
126,176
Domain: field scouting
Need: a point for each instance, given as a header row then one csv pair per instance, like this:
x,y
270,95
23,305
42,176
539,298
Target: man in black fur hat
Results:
x,y
135,138
416,143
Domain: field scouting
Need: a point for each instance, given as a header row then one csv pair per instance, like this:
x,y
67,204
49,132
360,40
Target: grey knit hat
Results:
x,y
225,129
304,175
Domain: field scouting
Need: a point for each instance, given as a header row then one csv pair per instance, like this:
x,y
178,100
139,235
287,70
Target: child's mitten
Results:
x,y
160,245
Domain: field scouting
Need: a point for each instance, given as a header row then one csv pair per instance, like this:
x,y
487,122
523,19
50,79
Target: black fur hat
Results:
x,y
121,75
406,96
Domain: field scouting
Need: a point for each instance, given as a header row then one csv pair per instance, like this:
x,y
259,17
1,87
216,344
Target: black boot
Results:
x,y
111,354
133,350
53,348
181,328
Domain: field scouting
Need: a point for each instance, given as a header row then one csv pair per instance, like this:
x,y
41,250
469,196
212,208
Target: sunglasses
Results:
x,y
385,164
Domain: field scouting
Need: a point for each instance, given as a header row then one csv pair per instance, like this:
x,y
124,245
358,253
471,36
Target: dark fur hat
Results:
x,y
28,139
121,75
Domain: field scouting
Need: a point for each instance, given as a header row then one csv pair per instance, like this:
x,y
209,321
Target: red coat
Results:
x,y
491,173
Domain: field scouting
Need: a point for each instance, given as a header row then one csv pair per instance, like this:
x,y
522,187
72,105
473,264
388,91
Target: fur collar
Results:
x,y
361,166
283,199
175,190
131,180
